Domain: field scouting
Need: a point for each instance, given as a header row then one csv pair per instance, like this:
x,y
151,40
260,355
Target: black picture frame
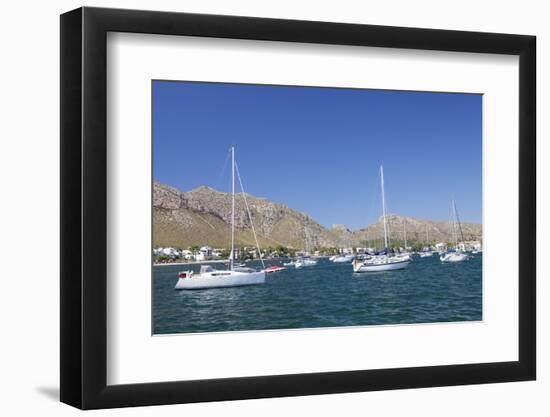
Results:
x,y
84,207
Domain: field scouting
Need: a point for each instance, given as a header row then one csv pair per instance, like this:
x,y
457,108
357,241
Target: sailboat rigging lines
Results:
x,y
384,262
457,255
208,277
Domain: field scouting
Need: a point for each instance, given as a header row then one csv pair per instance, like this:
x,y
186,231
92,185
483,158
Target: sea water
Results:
x,y
324,295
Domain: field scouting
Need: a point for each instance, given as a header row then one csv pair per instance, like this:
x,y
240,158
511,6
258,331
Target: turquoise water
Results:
x,y
325,295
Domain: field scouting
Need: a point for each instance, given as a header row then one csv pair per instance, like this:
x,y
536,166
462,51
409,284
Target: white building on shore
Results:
x,y
187,254
206,250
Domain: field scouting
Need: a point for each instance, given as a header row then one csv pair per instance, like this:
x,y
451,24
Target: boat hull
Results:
x,y
455,257
234,279
307,262
342,259
380,267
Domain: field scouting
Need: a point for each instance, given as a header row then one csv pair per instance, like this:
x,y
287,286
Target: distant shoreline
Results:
x,y
215,261
219,261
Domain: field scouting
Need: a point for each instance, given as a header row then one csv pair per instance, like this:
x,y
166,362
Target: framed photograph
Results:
x,y
257,208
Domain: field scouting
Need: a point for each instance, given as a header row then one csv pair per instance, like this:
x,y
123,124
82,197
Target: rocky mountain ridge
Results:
x,y
202,217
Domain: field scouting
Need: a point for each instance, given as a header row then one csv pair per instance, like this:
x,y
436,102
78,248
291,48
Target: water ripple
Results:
x,y
326,295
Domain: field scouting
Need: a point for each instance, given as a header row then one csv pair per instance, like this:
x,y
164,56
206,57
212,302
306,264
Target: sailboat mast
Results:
x,y
427,234
455,232
384,207
231,261
405,234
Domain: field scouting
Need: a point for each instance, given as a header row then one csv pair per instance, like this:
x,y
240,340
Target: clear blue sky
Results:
x,y
318,150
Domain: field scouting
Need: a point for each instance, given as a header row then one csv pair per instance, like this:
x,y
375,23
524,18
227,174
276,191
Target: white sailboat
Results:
x,y
343,258
427,252
305,260
405,254
457,255
208,277
383,262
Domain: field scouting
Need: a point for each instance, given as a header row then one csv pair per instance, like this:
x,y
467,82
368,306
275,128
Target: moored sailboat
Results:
x,y
405,254
343,258
427,251
208,277
383,262
456,255
305,261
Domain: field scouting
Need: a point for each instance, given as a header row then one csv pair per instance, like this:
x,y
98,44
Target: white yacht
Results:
x,y
383,262
380,263
306,261
208,277
456,255
453,257
426,252
405,254
343,259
